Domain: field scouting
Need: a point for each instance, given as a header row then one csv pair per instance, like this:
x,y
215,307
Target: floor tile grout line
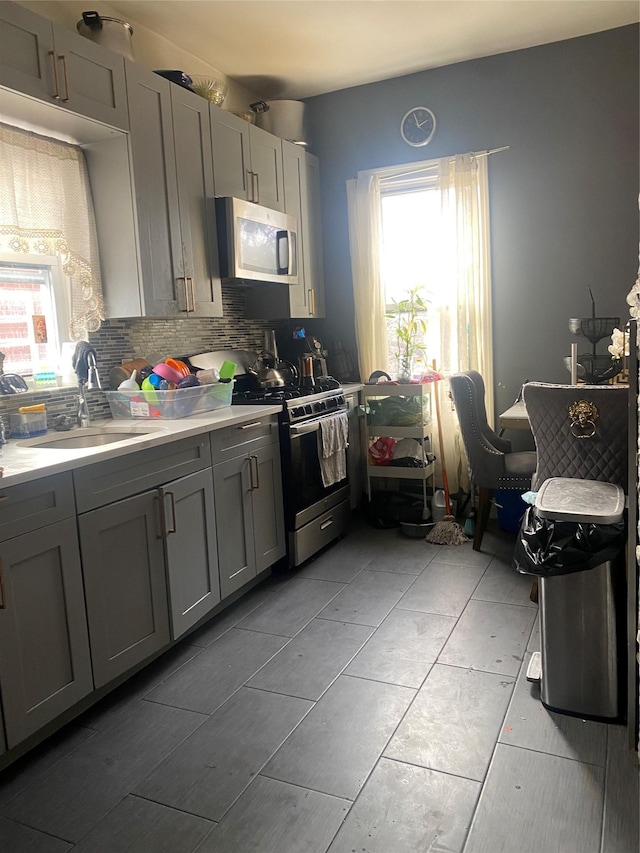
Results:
x,y
434,769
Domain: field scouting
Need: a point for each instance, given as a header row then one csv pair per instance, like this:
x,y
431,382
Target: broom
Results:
x,y
447,531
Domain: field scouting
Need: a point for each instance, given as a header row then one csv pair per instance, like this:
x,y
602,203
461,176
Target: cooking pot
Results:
x,y
111,33
273,374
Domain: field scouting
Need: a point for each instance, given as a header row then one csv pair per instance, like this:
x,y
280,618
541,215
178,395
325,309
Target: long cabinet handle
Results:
x,y
192,288
252,425
312,301
257,195
3,606
173,527
63,59
183,279
326,523
253,462
161,524
54,58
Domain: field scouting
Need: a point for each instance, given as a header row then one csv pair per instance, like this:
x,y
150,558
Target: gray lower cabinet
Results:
x,y
125,584
45,665
249,515
191,550
47,61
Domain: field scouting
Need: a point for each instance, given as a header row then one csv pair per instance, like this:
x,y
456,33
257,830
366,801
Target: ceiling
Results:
x,y
299,48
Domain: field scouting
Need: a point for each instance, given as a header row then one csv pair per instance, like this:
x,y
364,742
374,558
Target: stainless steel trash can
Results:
x,y
580,612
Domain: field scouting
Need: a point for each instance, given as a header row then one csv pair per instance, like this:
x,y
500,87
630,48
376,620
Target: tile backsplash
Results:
x,y
123,339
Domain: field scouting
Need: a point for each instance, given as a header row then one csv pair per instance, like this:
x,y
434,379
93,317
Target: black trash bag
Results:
x,y
547,547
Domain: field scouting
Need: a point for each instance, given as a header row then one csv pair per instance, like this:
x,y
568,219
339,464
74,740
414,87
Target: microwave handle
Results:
x,y
280,236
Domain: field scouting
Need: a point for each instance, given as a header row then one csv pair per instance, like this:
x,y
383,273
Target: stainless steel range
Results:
x,y
315,514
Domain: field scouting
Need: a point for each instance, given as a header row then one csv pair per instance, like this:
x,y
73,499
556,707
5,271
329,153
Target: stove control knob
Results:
x,y
298,412
308,410
321,406
332,403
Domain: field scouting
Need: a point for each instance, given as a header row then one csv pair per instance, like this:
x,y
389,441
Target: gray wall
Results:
x,y
564,198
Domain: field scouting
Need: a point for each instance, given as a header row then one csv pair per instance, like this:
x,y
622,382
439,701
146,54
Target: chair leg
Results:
x,y
484,506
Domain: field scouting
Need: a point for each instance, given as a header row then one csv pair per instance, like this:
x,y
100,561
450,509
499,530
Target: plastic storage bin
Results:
x,y
581,614
181,403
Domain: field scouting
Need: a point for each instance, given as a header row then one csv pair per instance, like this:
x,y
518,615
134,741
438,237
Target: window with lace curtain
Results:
x,y
50,287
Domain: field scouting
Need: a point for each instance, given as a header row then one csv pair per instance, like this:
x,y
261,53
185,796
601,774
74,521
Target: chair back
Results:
x,y
580,431
485,461
492,437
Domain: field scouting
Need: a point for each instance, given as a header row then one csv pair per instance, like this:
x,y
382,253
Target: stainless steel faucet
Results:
x,y
92,381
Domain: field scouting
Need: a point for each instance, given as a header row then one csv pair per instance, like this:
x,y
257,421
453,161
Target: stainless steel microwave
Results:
x,y
256,244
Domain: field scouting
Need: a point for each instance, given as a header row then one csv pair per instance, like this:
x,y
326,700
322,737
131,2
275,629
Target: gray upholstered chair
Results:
x,y
491,464
580,431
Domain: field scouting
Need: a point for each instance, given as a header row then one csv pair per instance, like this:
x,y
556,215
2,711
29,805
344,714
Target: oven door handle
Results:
x,y
312,425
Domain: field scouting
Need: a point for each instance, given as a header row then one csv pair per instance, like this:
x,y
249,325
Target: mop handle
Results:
x,y
445,479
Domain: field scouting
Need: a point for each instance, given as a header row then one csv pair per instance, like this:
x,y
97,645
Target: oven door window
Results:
x,y
306,485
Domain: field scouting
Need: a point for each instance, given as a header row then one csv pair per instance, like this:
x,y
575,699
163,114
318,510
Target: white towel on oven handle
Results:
x,y
333,440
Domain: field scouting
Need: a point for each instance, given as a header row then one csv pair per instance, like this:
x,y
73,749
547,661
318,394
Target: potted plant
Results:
x,y
409,327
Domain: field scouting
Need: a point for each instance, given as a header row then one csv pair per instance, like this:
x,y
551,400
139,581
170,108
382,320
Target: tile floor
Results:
x,y
373,702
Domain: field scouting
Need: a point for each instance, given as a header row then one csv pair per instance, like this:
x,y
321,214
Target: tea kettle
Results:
x,y
272,373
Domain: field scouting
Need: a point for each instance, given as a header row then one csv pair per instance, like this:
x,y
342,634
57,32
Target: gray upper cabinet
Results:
x,y
172,164
194,165
302,200
231,154
45,666
191,551
247,160
49,62
156,201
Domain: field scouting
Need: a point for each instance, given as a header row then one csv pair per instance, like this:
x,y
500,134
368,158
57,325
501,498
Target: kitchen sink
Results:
x,y
86,437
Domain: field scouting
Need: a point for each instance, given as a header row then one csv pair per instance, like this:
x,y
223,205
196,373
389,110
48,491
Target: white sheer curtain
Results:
x,y
459,318
46,208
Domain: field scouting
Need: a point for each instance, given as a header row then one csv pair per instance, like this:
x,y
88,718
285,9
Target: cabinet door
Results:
x,y
312,228
124,575
201,292
156,192
234,523
192,557
231,154
268,514
26,52
45,666
295,200
90,78
266,165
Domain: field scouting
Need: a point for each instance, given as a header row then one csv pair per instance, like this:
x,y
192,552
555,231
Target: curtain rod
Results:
x,y
432,164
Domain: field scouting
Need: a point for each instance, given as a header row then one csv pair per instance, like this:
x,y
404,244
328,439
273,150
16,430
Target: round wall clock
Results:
x,y
418,126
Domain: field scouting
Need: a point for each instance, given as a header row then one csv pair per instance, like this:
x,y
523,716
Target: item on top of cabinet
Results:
x,y
214,91
246,115
111,33
178,77
283,118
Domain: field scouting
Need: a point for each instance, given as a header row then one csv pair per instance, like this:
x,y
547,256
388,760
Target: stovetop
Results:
x,y
298,403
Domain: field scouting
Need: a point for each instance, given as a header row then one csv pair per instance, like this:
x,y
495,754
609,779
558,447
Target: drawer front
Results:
x,y
28,506
244,438
124,476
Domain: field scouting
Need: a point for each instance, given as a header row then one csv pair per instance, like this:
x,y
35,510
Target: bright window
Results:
x,y
412,259
29,319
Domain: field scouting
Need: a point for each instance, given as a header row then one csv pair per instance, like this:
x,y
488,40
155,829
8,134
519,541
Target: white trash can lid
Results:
x,y
589,501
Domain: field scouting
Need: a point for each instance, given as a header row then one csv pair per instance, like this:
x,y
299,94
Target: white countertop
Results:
x,y
22,464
